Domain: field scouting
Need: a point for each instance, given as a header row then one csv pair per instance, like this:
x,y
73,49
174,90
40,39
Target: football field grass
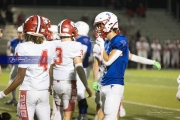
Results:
x,y
149,95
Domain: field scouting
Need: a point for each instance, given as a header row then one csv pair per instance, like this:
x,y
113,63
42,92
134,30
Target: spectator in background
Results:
x,y
4,4
20,19
1,34
130,8
130,27
166,53
111,4
141,10
175,49
156,48
2,19
5,116
142,47
9,16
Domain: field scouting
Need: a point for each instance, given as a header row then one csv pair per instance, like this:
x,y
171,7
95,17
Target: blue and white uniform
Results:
x,y
112,82
87,49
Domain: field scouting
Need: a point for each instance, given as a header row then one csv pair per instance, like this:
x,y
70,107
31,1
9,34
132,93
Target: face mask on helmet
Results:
x,y
104,22
34,25
66,28
83,28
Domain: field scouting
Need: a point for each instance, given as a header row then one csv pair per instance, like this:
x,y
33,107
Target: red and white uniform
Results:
x,y
34,96
97,54
64,73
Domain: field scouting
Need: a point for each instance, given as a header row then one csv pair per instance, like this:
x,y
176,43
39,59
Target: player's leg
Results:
x,y
111,95
13,74
26,105
122,111
99,114
81,98
56,114
43,106
69,100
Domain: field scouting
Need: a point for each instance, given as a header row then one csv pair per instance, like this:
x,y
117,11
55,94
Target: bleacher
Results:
x,y
157,24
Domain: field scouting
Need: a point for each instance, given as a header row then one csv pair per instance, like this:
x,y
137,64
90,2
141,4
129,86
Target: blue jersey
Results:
x,y
114,74
85,40
14,42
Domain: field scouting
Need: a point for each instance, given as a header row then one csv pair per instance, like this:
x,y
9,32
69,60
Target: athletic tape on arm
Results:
x,y
81,73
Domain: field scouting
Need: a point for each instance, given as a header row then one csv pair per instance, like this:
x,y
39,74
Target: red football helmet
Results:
x,y
34,25
67,28
48,25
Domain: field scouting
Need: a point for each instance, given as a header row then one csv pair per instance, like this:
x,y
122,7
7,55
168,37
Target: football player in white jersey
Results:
x,y
66,64
34,76
178,93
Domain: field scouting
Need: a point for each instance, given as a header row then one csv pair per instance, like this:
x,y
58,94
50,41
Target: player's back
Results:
x,y
39,58
64,65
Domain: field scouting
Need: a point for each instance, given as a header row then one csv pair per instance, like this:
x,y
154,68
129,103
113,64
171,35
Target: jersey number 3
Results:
x,y
43,61
58,59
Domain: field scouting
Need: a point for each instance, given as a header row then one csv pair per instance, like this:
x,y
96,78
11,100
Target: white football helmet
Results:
x,y
104,22
83,28
20,29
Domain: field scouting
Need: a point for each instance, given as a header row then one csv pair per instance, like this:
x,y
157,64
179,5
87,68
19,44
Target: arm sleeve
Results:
x,y
142,60
115,56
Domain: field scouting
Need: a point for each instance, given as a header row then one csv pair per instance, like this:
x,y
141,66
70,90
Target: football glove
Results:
x,y
157,65
95,86
2,95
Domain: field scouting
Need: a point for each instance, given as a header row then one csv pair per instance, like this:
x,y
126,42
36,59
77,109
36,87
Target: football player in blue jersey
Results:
x,y
84,39
115,60
115,55
13,44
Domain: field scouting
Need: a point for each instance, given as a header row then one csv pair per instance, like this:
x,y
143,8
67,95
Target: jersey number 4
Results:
x,y
58,59
43,61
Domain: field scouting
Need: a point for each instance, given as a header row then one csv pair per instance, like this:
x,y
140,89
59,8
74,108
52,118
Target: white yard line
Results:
x,y
147,105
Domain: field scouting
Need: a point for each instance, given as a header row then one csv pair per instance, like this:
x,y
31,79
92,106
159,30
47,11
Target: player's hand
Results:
x,y
2,95
100,42
95,86
88,90
178,79
157,65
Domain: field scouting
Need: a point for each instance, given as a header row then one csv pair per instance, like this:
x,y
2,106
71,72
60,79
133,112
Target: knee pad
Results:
x,y
83,106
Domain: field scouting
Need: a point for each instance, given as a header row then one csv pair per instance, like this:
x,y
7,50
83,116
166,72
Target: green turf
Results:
x,y
149,95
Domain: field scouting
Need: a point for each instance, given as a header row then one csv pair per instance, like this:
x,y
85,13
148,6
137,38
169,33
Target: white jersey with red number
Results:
x,y
64,66
37,74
